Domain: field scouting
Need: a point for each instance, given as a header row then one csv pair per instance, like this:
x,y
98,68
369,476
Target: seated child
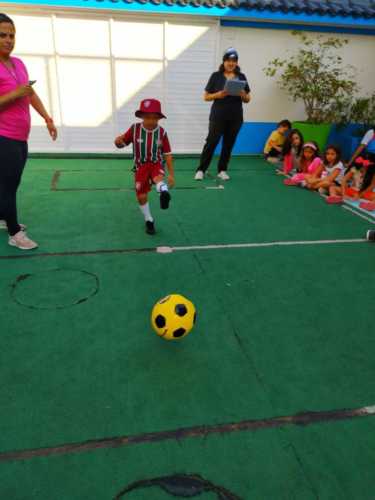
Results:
x,y
358,182
309,165
150,149
330,174
273,147
366,150
291,152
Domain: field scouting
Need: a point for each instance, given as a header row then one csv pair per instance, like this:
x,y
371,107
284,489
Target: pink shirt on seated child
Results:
x,y
15,120
310,170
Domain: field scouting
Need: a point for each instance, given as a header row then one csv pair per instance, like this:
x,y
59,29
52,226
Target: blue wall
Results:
x,y
253,136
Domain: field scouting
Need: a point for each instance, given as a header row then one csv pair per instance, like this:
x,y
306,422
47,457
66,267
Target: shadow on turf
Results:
x,y
180,485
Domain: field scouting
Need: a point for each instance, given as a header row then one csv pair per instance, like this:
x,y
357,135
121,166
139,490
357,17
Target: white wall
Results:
x,y
259,46
92,70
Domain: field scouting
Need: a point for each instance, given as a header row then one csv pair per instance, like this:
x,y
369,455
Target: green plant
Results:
x,y
362,111
316,74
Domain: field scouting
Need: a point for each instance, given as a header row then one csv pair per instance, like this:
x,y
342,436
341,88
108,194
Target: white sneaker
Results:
x,y
223,176
21,241
199,175
3,225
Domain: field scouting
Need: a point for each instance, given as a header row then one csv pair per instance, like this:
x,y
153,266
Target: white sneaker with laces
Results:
x,y
21,241
199,175
223,176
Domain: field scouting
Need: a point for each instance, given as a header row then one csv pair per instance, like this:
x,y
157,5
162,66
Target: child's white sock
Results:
x,y
161,186
145,209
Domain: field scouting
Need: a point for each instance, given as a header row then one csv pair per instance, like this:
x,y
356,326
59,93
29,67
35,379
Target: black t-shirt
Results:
x,y
230,106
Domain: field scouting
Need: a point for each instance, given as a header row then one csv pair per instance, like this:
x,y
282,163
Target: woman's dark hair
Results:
x,y
336,149
288,142
5,19
237,69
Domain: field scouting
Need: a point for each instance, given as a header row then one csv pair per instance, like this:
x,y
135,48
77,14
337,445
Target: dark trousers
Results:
x,y
13,156
228,129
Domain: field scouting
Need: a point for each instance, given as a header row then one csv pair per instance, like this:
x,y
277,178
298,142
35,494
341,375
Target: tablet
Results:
x,y
235,86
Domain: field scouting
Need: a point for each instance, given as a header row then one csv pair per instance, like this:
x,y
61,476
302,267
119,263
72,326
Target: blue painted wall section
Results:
x,y
253,136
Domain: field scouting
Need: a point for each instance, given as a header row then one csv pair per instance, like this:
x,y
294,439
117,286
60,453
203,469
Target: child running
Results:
x,y
150,148
330,174
309,164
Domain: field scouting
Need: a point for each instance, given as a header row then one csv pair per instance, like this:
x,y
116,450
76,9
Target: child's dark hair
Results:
x,y
5,19
236,71
336,149
284,123
287,147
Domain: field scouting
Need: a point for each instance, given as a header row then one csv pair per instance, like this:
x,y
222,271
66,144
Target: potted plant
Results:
x,y
357,118
316,74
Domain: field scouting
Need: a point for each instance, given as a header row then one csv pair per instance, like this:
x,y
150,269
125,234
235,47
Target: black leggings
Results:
x,y
13,156
228,129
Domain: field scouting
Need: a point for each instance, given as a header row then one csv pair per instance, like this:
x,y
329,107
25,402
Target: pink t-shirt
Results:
x,y
15,118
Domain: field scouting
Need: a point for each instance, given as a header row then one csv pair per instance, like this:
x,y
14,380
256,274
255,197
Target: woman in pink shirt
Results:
x,y
16,96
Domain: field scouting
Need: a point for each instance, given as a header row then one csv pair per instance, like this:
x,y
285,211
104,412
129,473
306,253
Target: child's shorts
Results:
x,y
144,175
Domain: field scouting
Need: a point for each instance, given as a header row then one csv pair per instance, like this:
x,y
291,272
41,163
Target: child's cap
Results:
x,y
310,145
149,106
230,54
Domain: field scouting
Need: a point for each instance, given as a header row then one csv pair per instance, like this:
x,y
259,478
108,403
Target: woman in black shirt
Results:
x,y
226,116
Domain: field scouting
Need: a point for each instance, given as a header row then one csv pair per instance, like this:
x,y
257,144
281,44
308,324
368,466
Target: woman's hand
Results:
x,y
171,181
119,142
221,94
23,91
244,96
51,129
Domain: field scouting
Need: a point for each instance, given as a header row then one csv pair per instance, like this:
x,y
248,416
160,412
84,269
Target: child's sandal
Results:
x,y
333,200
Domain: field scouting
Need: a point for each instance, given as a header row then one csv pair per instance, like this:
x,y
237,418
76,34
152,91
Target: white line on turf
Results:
x,y
167,249
359,215
370,410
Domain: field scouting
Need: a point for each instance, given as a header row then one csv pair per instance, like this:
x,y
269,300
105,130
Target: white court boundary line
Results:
x,y
354,211
167,249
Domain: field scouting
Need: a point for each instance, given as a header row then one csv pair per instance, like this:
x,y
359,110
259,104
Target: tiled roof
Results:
x,y
355,8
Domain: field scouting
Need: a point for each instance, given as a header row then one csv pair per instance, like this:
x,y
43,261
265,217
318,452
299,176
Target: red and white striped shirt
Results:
x,y
149,146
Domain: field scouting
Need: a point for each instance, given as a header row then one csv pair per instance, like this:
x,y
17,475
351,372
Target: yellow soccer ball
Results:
x,y
173,317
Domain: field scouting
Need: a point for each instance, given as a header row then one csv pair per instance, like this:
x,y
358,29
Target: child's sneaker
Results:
x,y
333,200
150,227
199,175
223,176
368,205
370,235
21,241
165,198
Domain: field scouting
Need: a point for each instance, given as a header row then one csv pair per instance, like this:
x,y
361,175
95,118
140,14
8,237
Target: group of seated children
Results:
x,y
303,165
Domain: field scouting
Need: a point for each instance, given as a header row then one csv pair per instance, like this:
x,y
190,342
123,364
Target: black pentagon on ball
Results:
x,y
160,321
180,310
179,333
